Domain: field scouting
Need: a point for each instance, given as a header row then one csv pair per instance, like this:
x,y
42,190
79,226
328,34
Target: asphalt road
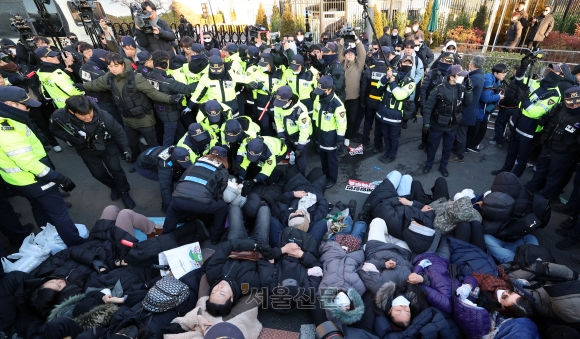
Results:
x,y
91,197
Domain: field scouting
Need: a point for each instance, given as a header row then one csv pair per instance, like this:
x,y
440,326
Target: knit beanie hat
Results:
x,y
299,221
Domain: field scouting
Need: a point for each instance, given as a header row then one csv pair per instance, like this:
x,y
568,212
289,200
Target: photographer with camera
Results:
x,y
544,95
92,131
151,32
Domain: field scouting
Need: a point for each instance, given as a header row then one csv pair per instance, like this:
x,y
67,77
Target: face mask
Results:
x,y
395,34
417,48
415,28
397,53
295,72
443,67
400,301
341,300
553,77
12,51
574,111
300,38
287,105
207,39
459,79
405,69
328,58
499,293
264,68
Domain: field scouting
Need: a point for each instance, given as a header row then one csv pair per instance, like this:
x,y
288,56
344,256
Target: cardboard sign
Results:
x,y
361,186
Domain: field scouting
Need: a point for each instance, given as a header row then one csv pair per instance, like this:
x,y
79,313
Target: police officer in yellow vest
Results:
x,y
390,112
264,81
293,125
212,116
236,134
265,152
197,141
26,168
234,62
56,82
197,67
302,80
329,118
219,84
544,95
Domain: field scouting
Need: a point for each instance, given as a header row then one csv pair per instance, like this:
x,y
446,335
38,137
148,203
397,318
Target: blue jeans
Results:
x,y
401,182
503,251
357,229
237,229
316,230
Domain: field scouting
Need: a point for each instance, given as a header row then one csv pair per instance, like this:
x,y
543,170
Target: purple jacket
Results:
x,y
473,321
437,286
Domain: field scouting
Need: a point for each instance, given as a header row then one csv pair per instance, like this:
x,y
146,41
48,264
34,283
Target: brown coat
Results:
x,y
352,70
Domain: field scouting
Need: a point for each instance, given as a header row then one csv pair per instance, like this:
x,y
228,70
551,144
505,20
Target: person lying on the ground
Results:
x,y
431,272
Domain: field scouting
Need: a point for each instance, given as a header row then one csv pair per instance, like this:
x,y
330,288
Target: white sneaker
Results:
x,y
57,149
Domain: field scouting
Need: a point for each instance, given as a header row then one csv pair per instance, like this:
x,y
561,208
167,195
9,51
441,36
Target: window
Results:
x,y
38,24
98,12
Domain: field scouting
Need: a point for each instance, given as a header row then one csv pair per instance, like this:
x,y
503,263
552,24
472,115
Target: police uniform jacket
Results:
x,y
369,88
56,83
302,84
561,135
203,182
329,121
391,109
164,83
443,107
100,129
273,152
294,124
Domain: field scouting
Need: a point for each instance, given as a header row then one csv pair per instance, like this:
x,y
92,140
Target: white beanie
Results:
x,y
468,192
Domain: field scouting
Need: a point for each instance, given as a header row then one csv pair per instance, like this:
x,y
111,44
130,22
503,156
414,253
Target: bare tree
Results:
x,y
162,5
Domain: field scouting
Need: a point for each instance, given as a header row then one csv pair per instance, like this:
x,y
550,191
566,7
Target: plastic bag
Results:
x,y
49,237
29,256
30,248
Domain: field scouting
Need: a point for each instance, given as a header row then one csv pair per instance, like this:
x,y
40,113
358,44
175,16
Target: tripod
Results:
x,y
365,16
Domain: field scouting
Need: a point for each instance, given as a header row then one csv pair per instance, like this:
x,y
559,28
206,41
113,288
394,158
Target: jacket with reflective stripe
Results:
x,y
58,85
329,118
294,123
268,160
20,154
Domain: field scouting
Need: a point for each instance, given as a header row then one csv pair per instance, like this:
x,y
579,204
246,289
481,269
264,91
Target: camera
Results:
x,y
328,330
347,33
142,18
307,45
19,24
85,11
108,22
255,30
363,2
537,55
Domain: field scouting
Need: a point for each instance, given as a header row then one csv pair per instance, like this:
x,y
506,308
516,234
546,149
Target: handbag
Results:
x,y
166,294
246,255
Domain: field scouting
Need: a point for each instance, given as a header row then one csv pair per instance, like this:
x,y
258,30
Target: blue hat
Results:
x,y
349,50
283,95
99,53
144,56
233,130
571,96
253,51
215,52
330,46
198,48
212,109
387,50
231,47
255,148
197,132
324,83
181,155
224,330
45,52
128,41
17,94
219,151
297,61
266,59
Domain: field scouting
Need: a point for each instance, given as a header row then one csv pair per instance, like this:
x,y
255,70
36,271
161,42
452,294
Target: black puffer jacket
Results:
x,y
161,41
287,203
386,205
509,183
377,253
497,209
429,324
16,315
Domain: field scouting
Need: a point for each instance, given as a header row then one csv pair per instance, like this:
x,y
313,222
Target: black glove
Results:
x,y
176,98
256,85
339,144
80,87
425,129
268,252
247,187
468,84
22,78
128,156
100,266
526,61
65,183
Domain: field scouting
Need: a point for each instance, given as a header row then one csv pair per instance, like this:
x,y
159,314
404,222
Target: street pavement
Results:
x,y
90,197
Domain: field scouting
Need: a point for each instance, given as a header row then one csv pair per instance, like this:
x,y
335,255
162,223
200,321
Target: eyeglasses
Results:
x,y
375,49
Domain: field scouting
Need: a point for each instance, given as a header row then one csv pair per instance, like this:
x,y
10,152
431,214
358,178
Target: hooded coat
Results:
x,y
340,268
437,282
509,183
429,324
449,213
377,253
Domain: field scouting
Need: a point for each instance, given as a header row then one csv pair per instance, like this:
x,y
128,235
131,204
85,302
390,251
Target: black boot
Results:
x,y
352,209
127,200
115,194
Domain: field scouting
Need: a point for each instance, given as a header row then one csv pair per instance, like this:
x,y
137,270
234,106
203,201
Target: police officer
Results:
x,y
334,69
524,124
144,63
390,112
27,170
236,134
176,69
264,81
293,124
442,115
92,131
168,113
166,165
131,92
252,60
218,84
433,79
265,152
234,62
56,82
329,127
371,94
212,116
197,67
560,145
200,191
93,69
302,80
197,141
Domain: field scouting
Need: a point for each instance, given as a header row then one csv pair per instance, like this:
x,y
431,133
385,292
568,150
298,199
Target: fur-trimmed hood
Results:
x,y
98,316
384,296
65,308
345,317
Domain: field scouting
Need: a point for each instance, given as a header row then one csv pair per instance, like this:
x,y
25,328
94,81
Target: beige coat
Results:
x,y
353,70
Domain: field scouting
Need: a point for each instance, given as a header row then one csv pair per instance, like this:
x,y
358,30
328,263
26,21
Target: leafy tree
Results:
x,y
276,18
300,22
179,8
261,18
424,20
480,20
378,21
288,25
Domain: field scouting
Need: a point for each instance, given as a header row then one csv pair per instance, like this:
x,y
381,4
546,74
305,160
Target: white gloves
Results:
x,y
368,267
315,271
463,291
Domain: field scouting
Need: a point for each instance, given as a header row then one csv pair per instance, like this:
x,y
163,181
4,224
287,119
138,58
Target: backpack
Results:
x,y
519,227
165,295
527,254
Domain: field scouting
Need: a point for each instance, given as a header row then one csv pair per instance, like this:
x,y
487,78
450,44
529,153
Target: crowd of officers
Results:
x,y
245,108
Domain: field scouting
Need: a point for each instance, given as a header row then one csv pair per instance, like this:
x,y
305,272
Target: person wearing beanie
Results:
x,y
56,80
451,47
197,141
160,36
144,63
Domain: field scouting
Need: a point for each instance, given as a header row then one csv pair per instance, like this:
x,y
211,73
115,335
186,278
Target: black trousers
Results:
x,y
519,149
10,226
370,114
548,175
41,116
351,107
471,232
105,166
61,327
439,190
475,134
329,164
133,135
